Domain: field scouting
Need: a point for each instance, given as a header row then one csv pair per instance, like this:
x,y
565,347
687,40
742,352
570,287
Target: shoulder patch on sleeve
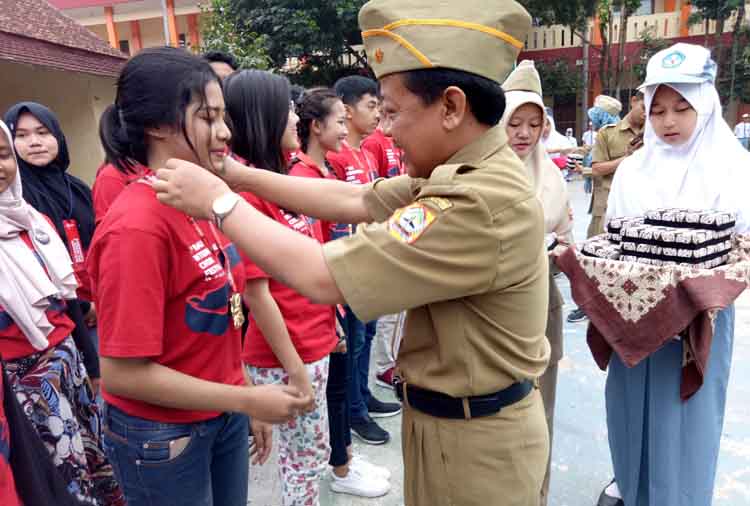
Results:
x,y
410,222
441,203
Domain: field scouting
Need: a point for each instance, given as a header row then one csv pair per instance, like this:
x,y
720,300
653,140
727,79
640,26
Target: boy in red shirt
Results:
x,y
356,165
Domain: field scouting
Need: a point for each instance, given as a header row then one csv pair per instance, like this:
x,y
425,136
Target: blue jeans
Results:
x,y
208,464
359,390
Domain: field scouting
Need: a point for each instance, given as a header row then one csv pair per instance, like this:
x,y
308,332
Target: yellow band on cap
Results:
x,y
405,43
459,24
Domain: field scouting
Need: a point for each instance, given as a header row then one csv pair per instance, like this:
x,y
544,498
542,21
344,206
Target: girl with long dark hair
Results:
x,y
177,406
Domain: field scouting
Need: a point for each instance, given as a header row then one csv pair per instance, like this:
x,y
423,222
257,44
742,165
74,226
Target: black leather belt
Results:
x,y
444,406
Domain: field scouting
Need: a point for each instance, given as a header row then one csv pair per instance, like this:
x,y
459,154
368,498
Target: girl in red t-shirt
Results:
x,y
43,361
289,337
322,130
168,288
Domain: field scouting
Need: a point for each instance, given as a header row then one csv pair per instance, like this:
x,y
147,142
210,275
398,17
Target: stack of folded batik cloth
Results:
x,y
617,225
679,236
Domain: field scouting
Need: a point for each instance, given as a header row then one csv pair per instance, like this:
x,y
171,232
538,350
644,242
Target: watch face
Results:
x,y
224,204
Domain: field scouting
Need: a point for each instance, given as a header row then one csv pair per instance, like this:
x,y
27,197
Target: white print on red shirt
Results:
x,y
206,261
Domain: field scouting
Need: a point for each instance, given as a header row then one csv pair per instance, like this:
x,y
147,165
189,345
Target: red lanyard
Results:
x,y
217,243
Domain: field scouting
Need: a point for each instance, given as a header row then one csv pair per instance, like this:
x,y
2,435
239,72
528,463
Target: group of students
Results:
x,y
159,280
164,291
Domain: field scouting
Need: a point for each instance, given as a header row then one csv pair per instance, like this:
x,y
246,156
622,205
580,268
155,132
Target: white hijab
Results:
x,y
545,176
26,287
555,140
710,171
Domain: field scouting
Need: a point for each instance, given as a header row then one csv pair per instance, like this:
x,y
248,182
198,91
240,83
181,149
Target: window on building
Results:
x,y
183,40
125,46
536,39
544,40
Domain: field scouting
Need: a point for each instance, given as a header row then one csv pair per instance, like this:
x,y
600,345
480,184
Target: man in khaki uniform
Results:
x,y
613,144
459,243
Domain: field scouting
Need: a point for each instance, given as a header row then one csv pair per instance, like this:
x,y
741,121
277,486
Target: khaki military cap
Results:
x,y
608,104
524,78
482,37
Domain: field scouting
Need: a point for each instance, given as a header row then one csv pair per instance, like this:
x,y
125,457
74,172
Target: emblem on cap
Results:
x,y
379,55
673,60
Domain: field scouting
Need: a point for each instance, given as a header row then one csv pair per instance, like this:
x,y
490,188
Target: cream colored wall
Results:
x,y
77,99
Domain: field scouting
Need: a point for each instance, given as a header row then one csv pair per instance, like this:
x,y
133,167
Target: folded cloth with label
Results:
x,y
600,247
658,245
690,218
616,226
635,308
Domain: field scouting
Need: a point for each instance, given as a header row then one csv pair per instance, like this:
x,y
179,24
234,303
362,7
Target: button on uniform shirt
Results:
x,y
612,143
463,252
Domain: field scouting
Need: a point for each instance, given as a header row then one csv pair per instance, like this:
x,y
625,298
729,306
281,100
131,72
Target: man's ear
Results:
x,y
455,107
349,112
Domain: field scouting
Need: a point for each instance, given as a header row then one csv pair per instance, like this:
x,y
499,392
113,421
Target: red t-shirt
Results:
x,y
304,166
8,493
387,156
311,326
353,165
108,184
13,342
162,292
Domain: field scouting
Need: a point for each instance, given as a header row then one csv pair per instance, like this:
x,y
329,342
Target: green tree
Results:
x,y
221,32
313,41
651,44
558,80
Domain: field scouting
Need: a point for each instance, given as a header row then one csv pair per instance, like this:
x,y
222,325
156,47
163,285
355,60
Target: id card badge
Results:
x,y
75,246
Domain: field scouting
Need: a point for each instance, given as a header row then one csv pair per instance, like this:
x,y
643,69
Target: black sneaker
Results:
x,y
380,409
608,500
370,432
577,315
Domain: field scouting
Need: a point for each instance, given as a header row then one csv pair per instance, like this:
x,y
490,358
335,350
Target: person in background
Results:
x,y
43,164
588,138
523,121
169,288
222,63
356,165
605,113
43,363
742,131
665,449
389,327
108,185
322,130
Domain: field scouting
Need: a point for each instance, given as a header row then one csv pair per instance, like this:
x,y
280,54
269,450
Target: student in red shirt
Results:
x,y
168,288
382,148
42,357
356,165
108,185
322,129
289,337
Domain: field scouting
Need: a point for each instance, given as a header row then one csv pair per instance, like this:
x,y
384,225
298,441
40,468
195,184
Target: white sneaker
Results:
x,y
355,483
368,468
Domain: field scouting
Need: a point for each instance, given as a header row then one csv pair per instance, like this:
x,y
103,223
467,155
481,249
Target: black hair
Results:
x,y
638,94
221,57
296,92
486,98
154,88
258,105
315,105
351,89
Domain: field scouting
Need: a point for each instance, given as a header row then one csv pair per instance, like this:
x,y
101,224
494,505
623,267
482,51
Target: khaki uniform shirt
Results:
x,y
463,252
612,143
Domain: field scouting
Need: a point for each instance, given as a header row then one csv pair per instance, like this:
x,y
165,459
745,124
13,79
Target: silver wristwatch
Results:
x,y
223,206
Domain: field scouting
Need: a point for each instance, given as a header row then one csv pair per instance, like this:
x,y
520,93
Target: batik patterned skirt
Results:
x,y
54,391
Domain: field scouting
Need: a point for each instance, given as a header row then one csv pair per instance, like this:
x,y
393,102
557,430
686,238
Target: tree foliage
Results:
x,y
558,80
313,41
222,32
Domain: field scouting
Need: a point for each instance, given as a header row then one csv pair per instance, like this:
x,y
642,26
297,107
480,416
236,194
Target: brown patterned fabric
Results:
x,y
634,309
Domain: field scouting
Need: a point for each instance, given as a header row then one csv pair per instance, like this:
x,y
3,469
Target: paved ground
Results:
x,y
581,464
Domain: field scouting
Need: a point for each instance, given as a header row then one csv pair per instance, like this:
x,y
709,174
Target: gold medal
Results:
x,y
235,308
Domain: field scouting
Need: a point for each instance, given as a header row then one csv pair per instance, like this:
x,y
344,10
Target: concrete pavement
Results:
x,y
580,456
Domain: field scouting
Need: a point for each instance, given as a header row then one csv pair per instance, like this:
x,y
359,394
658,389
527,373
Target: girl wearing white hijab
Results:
x,y
524,120
45,368
664,451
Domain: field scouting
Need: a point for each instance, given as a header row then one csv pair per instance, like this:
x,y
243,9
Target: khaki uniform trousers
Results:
x,y
548,381
496,460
